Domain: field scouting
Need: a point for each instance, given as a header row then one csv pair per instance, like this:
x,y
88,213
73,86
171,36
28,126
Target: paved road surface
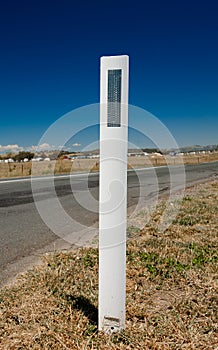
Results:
x,y
22,231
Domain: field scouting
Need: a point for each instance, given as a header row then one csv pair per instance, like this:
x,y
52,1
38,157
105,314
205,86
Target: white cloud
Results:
x,y
42,147
10,148
76,144
34,148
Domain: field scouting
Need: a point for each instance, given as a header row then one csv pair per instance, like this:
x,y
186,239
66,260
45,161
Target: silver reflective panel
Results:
x,y
114,97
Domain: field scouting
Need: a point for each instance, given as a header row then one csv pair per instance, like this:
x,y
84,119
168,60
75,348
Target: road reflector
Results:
x,y
113,192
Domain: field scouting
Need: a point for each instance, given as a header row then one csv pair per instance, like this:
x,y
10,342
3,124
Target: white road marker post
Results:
x,y
113,192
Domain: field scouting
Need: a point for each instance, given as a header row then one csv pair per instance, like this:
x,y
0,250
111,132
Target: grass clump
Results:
x,y
171,290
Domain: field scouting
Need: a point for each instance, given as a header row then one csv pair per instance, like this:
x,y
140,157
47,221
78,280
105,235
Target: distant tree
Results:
x,y
151,150
22,155
9,154
62,154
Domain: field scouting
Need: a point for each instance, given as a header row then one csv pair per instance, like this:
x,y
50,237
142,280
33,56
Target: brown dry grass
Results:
x,y
80,165
171,289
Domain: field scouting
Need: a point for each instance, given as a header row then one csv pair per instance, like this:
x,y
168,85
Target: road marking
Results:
x,y
42,178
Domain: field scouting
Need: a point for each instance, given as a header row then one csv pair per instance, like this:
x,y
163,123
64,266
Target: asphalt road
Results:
x,y
23,232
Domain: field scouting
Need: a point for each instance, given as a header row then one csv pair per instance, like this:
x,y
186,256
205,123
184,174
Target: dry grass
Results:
x,y
80,165
171,289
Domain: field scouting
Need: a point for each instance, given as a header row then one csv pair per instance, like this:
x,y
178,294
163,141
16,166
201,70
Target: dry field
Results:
x,y
80,165
172,300
47,168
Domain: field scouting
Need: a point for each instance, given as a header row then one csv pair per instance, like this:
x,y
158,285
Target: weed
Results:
x,y
131,230
186,221
90,258
187,198
171,290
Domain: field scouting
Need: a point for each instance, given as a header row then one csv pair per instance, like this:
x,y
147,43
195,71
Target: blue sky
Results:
x,y
49,63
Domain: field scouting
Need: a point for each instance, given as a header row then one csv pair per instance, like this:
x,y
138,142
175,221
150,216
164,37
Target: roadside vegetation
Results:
x,y
63,165
172,300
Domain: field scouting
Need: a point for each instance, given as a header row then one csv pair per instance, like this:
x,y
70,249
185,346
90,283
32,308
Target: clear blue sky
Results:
x,y
49,62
